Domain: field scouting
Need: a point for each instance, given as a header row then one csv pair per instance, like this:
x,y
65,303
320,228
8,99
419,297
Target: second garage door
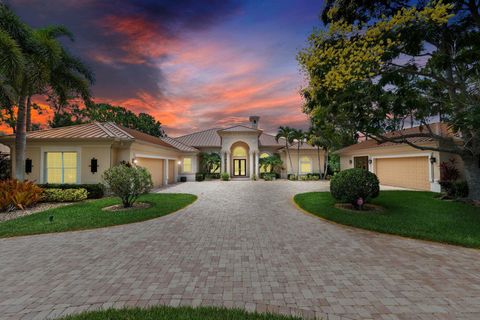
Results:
x,y
411,172
155,166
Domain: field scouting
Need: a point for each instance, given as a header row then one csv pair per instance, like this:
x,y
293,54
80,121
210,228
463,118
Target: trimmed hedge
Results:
x,y
95,191
64,195
350,185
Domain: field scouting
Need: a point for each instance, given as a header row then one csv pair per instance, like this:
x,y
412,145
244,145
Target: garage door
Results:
x,y
411,172
155,166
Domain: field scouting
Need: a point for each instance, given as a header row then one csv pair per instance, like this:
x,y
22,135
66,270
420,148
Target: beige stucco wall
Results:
x,y
311,154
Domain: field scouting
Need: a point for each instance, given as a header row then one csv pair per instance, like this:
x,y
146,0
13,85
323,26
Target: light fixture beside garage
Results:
x,y
433,160
93,165
179,162
370,161
134,161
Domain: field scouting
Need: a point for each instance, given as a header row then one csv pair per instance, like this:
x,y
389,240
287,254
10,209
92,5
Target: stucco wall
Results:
x,y
311,154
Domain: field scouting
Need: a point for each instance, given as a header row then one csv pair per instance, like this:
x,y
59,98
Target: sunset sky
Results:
x,y
191,64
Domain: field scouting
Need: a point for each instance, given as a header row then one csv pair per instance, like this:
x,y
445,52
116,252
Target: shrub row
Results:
x,y
94,191
201,176
64,195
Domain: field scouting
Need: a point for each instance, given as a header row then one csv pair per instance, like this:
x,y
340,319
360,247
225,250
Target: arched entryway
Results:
x,y
240,160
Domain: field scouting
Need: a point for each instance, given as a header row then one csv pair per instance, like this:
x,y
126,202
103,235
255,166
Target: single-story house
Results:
x,y
399,164
80,153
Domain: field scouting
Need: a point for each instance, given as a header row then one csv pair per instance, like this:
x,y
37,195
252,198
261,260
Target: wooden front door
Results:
x,y
239,167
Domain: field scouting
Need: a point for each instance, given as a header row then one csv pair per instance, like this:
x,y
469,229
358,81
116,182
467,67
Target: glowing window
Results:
x,y
61,167
239,152
187,164
305,165
262,168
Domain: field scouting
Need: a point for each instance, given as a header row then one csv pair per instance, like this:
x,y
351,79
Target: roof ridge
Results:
x,y
108,132
186,135
119,127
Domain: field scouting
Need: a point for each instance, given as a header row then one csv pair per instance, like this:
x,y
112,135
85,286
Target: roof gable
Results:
x,y
239,128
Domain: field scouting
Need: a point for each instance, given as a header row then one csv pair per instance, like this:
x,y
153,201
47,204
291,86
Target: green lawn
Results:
x,y
180,313
89,215
408,213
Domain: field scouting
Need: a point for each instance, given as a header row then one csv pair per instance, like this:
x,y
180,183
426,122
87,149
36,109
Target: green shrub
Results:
x,y
225,176
461,189
352,185
292,177
214,175
94,190
269,176
64,195
128,182
199,176
18,195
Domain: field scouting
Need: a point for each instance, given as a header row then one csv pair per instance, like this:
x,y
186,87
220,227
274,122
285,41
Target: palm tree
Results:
x,y
317,139
299,135
30,62
286,134
210,161
271,163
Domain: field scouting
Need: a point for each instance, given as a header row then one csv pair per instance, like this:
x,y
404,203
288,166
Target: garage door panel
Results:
x,y
408,172
171,171
155,167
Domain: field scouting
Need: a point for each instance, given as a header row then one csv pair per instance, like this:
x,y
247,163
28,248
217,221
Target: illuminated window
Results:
x,y
262,168
239,152
187,164
61,167
305,165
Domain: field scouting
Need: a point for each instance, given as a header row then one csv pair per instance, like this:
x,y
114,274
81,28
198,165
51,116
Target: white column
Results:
x,y
228,162
222,163
257,170
251,164
165,171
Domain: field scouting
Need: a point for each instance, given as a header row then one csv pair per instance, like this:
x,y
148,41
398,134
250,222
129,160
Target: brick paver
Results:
x,y
242,244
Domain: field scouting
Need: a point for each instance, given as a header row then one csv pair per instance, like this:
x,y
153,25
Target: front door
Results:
x,y
239,167
360,162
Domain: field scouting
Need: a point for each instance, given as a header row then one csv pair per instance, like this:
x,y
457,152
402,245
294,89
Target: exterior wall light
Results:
x,y
179,162
350,161
28,166
134,160
433,160
93,165
370,161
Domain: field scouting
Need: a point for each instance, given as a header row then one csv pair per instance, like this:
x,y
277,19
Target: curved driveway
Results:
x,y
241,244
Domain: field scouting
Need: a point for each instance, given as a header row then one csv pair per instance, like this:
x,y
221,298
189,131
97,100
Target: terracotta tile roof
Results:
x,y
438,128
206,138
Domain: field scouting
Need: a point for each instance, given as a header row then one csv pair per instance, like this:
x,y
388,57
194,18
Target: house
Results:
x,y
80,153
399,164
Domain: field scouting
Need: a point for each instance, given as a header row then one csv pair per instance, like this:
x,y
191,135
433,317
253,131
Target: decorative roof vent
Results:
x,y
254,121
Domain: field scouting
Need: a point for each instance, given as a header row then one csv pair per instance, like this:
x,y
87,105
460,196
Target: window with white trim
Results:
x,y
187,165
61,167
305,165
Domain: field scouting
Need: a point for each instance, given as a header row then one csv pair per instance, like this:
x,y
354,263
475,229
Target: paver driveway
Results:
x,y
241,244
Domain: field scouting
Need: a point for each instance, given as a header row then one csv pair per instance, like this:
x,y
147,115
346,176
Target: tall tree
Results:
x,y
30,61
285,133
104,112
381,63
299,136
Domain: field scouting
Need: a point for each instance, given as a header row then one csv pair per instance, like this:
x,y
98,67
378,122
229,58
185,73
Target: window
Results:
x,y
305,165
187,165
61,167
262,168
239,152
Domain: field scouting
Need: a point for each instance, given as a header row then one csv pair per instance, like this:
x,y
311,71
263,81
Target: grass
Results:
x,y
89,215
179,313
407,213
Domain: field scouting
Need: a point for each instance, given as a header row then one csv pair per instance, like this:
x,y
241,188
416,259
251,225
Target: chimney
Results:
x,y
254,121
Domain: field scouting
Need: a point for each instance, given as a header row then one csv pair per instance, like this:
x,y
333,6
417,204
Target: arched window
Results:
x,y
305,165
262,168
239,152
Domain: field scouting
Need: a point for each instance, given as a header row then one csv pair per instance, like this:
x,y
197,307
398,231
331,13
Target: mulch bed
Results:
x,y
119,207
5,216
367,207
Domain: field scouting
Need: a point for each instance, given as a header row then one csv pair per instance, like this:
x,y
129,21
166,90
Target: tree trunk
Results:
x,y
472,176
20,141
289,158
319,162
298,160
326,165
29,114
